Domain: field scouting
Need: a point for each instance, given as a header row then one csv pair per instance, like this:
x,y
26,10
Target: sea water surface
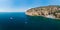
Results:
x,y
20,21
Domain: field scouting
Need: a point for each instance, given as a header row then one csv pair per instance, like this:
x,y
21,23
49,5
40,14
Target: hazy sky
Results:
x,y
23,5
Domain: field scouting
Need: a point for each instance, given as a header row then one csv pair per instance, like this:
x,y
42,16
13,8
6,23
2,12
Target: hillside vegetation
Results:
x,y
53,10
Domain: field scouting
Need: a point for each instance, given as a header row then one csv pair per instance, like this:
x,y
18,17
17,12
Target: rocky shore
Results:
x,y
51,11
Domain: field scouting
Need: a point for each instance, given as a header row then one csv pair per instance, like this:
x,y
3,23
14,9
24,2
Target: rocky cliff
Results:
x,y
46,11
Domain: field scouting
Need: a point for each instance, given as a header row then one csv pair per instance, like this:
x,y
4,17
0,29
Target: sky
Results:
x,y
24,5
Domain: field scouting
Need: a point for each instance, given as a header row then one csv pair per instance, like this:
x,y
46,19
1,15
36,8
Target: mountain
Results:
x,y
51,11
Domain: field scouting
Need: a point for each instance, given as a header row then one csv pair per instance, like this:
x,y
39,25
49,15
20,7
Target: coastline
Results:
x,y
44,17
45,11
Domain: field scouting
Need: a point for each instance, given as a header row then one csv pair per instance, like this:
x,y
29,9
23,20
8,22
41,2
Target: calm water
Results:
x,y
20,21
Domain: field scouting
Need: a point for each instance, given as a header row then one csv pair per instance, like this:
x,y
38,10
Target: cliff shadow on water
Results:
x,y
44,23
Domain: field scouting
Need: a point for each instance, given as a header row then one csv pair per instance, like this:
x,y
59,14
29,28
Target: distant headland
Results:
x,y
51,11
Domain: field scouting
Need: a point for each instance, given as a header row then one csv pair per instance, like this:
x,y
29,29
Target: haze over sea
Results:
x,y
20,21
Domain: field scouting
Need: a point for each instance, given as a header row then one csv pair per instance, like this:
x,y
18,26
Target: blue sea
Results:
x,y
21,21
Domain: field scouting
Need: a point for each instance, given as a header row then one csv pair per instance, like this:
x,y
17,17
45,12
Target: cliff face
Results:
x,y
45,11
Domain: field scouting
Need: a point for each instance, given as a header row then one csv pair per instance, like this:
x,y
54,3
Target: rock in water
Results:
x,y
45,11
